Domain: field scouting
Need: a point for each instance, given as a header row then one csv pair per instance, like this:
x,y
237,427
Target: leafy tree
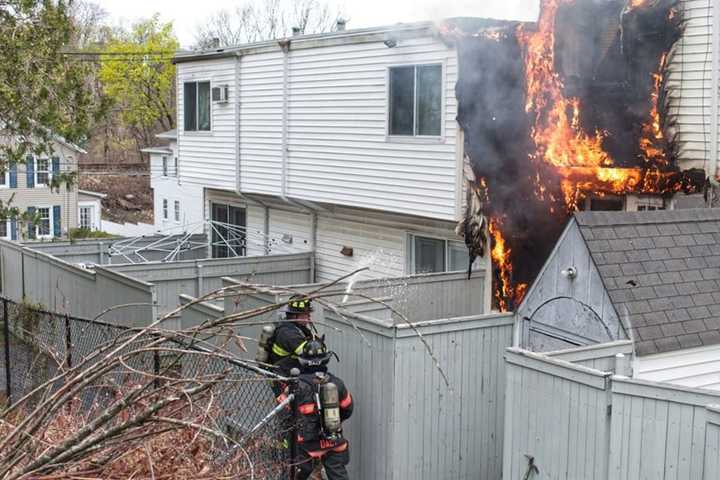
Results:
x,y
42,91
257,20
138,76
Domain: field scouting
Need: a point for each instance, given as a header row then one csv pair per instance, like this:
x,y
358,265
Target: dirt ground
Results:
x,y
129,196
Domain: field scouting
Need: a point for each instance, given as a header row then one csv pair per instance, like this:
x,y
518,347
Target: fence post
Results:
x,y
6,334
68,342
200,287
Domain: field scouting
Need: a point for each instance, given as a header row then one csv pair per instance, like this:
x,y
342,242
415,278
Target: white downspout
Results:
x,y
715,38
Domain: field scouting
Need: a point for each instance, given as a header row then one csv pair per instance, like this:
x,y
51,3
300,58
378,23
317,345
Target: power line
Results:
x,y
86,53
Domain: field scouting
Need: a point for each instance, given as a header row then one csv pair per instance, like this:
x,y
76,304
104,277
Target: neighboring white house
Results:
x,y
177,207
28,185
90,209
345,143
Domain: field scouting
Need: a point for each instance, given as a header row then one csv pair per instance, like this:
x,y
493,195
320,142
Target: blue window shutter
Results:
x,y
13,229
55,165
13,175
31,225
30,162
56,221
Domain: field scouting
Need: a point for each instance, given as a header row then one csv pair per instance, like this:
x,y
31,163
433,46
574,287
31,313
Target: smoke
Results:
x,y
611,61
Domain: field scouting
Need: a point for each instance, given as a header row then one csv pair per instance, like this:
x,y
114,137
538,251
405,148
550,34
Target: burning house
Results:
x,y
574,112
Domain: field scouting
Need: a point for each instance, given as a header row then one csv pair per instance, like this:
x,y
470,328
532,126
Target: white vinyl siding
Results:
x,y
692,367
339,150
261,116
209,157
691,84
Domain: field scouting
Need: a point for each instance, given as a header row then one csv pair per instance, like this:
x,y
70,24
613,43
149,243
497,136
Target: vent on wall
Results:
x,y
220,94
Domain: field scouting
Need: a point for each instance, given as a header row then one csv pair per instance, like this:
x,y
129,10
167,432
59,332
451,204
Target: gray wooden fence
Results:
x,y
408,423
199,277
577,422
39,278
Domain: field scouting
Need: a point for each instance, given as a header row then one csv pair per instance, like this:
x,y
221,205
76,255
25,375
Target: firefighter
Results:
x,y
322,403
291,335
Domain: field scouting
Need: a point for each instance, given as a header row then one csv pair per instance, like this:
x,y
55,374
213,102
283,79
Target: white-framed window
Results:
x,y
5,178
42,172
165,208
650,203
87,217
196,106
175,165
43,227
177,210
415,100
164,166
436,255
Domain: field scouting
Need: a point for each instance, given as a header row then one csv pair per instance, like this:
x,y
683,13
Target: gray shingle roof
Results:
x,y
662,272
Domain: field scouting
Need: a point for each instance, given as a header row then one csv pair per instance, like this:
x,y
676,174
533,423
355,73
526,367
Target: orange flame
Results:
x,y
506,295
501,257
652,130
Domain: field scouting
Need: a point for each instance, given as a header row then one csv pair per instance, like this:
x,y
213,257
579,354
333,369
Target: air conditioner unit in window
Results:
x,y
220,94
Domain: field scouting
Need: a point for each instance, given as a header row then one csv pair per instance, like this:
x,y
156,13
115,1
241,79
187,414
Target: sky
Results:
x,y
186,16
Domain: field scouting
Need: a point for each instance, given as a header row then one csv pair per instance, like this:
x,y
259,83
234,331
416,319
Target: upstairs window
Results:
x,y
165,208
415,100
42,172
177,210
176,166
196,106
164,166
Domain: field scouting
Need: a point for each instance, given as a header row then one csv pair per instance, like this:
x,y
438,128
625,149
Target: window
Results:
x,y
42,228
5,176
177,210
164,166
196,106
86,217
650,203
435,255
176,166
165,208
5,229
42,172
415,100
228,230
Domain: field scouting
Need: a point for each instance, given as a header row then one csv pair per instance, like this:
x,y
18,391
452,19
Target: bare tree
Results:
x,y
258,20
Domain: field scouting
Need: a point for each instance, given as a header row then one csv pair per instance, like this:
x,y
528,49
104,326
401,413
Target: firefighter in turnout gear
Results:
x,y
322,402
291,335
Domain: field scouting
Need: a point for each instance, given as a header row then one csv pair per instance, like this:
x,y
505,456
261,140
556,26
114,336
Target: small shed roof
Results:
x,y
662,272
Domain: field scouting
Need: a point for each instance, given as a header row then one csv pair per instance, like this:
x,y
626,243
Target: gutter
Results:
x,y
345,37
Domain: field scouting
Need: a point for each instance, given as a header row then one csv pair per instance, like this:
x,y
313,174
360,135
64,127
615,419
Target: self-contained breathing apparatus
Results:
x,y
265,344
327,397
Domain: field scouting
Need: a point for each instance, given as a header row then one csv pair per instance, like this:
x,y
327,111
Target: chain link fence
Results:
x,y
36,344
